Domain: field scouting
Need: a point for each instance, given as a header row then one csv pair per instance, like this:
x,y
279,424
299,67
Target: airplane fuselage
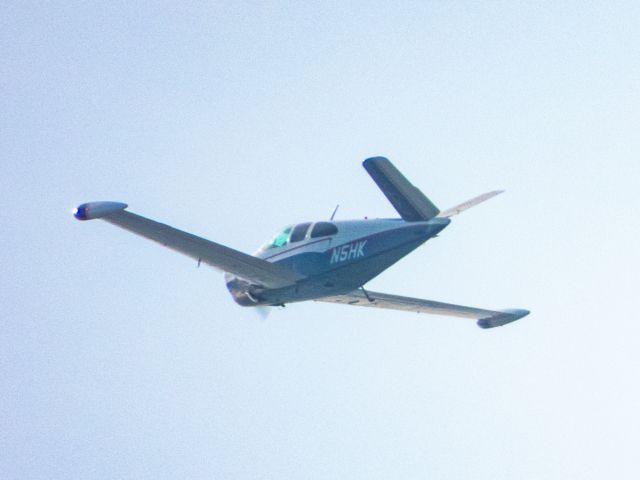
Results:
x,y
352,253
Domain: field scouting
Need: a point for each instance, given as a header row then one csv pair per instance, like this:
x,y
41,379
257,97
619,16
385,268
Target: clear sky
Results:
x,y
120,359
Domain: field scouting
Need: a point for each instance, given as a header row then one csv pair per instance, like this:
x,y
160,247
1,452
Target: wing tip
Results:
x,y
91,210
376,158
503,318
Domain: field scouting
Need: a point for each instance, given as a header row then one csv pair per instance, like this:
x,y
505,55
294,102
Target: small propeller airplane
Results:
x,y
326,261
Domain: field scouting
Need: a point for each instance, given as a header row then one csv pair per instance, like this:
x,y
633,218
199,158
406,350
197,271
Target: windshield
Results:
x,y
278,240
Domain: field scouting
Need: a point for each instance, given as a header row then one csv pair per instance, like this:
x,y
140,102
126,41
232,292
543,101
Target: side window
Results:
x,y
323,229
299,232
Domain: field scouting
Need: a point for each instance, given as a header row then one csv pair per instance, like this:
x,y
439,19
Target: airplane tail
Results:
x,y
409,201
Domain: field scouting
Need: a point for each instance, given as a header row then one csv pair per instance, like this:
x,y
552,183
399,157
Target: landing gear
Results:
x,y
366,295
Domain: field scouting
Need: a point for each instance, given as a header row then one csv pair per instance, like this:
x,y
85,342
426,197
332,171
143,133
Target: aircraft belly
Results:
x,y
356,274
340,279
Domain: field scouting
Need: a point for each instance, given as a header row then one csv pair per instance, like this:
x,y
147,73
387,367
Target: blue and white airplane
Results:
x,y
326,261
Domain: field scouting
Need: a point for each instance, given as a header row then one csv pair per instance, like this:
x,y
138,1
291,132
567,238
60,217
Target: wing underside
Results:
x,y
254,270
485,318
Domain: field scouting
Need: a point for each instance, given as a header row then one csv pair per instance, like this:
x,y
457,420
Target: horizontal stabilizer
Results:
x,y
450,212
409,201
254,270
486,318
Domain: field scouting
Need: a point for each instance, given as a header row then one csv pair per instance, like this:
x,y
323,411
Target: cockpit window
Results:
x,y
299,232
323,229
279,239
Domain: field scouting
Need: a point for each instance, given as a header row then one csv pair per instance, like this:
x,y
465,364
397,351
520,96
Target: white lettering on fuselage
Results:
x,y
349,251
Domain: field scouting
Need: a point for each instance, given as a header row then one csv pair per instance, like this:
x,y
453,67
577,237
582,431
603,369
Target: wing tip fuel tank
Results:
x,y
505,316
92,210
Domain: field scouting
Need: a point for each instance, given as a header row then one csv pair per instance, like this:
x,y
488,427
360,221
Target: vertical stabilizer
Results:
x,y
409,201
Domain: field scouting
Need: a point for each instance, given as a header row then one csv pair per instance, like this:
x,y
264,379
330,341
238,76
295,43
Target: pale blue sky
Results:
x,y
119,359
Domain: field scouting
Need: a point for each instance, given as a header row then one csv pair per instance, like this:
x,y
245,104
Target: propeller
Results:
x,y
263,312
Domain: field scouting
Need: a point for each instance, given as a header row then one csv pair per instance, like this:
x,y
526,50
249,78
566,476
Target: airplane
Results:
x,y
326,261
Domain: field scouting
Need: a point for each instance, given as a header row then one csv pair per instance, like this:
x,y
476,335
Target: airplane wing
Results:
x,y
486,318
253,269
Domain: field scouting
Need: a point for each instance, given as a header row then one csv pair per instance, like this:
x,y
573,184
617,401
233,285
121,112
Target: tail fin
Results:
x,y
410,203
450,212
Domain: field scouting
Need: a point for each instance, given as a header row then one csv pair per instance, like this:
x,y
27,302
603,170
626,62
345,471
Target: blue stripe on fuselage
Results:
x,y
360,249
